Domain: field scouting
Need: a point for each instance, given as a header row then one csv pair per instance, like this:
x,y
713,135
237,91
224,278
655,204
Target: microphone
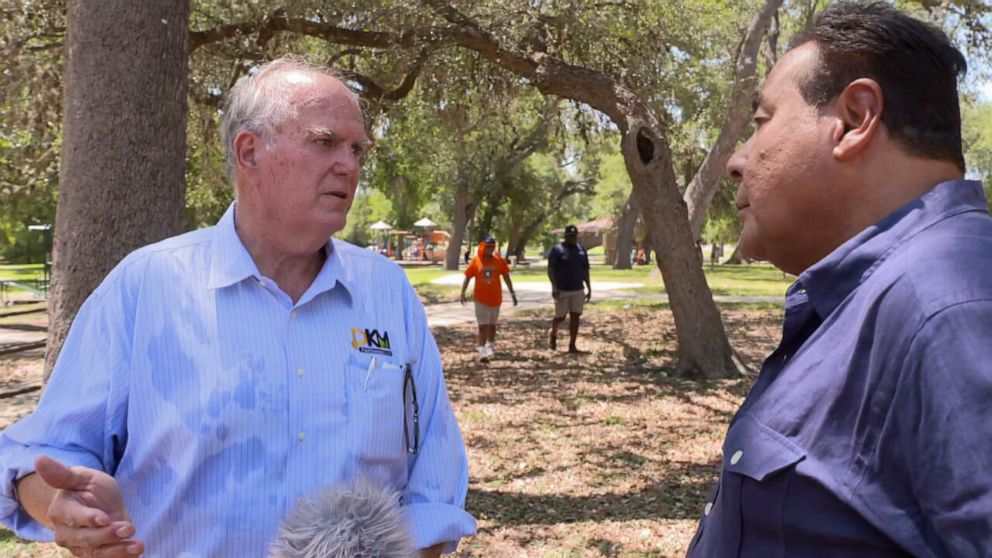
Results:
x,y
360,519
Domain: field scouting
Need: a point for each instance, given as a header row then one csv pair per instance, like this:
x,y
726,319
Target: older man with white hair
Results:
x,y
215,378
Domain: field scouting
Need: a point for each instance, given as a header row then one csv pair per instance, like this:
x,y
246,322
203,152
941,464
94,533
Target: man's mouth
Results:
x,y
341,195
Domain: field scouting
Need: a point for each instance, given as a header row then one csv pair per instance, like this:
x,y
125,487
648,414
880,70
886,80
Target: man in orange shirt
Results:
x,y
487,268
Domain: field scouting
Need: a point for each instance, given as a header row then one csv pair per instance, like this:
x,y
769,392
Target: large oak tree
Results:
x,y
124,143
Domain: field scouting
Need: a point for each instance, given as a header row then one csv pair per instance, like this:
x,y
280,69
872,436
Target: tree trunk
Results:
x,y
701,189
528,232
514,247
625,232
123,144
735,258
461,215
704,351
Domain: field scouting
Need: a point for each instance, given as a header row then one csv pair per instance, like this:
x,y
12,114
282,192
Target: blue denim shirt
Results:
x,y
869,429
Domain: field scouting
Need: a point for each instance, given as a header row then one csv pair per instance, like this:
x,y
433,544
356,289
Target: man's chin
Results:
x,y
752,250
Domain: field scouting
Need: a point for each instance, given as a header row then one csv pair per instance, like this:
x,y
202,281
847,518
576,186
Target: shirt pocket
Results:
x,y
374,386
758,464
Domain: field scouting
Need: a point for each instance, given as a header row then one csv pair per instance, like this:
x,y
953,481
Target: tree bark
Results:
x,y
701,189
461,215
124,144
514,246
735,258
625,232
704,351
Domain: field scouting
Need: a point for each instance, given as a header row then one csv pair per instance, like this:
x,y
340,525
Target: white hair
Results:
x,y
260,103
360,519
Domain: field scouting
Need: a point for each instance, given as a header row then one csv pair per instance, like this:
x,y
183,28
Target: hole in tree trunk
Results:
x,y
645,146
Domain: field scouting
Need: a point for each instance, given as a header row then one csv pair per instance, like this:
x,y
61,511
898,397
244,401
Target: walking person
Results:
x,y
568,269
487,268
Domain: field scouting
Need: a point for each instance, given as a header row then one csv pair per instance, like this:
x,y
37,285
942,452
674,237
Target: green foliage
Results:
x,y
369,206
457,123
30,101
977,132
612,185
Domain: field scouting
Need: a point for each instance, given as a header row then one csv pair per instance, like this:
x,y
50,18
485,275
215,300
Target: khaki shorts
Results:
x,y
569,302
485,314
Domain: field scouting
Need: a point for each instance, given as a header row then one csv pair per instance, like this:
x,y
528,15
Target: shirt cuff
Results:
x,y
433,523
17,462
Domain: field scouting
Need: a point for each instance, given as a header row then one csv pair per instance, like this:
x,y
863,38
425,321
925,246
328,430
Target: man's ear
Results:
x,y
246,144
859,117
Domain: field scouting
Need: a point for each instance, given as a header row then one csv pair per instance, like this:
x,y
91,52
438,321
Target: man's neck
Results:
x,y
293,268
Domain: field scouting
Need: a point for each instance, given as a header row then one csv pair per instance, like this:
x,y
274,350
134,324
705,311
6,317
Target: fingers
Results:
x,y
111,541
125,549
70,511
58,475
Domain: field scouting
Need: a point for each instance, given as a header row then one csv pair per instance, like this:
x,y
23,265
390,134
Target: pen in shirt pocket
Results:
x,y
372,365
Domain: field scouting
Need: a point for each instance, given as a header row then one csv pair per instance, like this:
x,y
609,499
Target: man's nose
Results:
x,y
735,165
347,162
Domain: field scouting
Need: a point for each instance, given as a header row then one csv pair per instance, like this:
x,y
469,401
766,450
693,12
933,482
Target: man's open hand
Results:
x,y
88,512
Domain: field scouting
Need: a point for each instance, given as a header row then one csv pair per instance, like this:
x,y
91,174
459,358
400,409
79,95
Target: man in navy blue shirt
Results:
x,y
869,429
568,269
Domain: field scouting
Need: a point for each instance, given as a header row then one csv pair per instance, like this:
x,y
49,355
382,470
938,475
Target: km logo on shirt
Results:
x,y
370,341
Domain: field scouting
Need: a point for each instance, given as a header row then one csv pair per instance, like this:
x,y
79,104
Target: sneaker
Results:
x,y
483,354
491,349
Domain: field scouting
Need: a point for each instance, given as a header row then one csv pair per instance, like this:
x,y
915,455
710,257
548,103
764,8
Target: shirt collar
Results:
x,y
832,279
231,263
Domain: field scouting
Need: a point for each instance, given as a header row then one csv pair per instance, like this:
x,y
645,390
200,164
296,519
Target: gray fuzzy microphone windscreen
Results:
x,y
360,519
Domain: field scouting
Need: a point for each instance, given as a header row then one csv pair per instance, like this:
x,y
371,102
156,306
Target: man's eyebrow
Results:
x,y
320,131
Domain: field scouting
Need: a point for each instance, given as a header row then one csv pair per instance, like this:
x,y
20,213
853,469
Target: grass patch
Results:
x,y
424,275
22,272
730,280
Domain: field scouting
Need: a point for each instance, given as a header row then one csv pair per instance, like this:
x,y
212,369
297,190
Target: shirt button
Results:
x,y
708,508
301,436
299,372
261,283
736,457
292,315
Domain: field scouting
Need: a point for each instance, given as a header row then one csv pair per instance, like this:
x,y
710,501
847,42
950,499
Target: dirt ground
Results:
x,y
594,455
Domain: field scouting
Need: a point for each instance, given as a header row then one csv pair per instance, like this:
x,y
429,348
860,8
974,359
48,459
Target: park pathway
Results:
x,y
537,295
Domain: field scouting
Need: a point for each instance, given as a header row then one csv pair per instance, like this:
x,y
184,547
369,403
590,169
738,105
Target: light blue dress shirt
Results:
x,y
216,402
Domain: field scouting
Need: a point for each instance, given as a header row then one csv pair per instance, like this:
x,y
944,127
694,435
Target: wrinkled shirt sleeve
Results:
x,y
434,498
943,409
80,420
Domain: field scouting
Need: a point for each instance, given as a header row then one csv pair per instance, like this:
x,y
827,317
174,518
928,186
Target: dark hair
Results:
x,y
913,62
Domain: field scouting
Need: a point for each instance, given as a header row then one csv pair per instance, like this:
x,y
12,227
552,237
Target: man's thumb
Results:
x,y
58,475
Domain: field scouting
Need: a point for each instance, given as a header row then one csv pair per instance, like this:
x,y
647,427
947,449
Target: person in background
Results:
x,y
568,270
487,268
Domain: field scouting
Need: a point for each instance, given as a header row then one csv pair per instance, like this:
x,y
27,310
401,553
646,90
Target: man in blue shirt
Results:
x,y
867,432
568,270
215,378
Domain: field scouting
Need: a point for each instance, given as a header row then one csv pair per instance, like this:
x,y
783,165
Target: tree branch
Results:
x,y
699,193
